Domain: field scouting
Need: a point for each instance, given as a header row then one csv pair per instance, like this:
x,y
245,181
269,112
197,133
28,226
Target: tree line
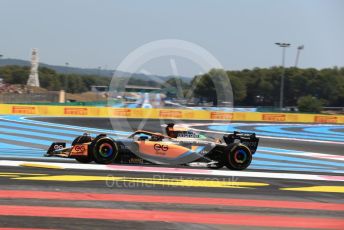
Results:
x,y
51,80
251,87
261,86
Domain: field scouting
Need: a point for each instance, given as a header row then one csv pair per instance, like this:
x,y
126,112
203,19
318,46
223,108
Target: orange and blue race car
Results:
x,y
179,146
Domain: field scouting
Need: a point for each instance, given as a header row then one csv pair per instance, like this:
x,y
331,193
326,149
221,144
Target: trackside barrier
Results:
x,y
84,111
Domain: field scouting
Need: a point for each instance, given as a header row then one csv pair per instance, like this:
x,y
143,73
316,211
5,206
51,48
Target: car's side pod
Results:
x,y
248,139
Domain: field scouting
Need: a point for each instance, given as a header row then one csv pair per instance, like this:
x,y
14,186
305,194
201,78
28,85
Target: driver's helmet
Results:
x,y
170,131
173,132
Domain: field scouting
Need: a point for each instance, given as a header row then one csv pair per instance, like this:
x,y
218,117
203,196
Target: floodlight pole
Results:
x,y
66,77
299,48
284,46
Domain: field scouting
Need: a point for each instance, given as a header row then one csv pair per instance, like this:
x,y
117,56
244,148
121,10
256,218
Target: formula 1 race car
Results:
x,y
178,147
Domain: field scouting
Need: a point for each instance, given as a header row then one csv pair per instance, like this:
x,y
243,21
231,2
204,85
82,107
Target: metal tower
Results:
x,y
33,78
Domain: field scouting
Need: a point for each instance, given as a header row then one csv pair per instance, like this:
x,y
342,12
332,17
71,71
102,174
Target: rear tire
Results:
x,y
238,157
81,140
105,151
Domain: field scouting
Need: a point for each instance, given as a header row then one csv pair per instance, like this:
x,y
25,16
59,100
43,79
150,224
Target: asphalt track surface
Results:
x,y
60,194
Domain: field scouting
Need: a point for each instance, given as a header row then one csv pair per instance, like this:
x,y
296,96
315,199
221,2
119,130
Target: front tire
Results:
x,y
105,151
238,157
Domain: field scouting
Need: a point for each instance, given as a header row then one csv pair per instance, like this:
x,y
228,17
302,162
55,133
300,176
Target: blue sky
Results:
x,y
240,34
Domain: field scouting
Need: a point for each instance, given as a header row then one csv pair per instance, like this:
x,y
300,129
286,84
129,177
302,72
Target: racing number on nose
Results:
x,y
158,147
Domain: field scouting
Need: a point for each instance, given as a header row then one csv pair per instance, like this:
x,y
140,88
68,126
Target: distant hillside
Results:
x,y
82,71
59,69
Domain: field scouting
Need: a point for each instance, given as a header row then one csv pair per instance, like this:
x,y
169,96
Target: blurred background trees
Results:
x,y
251,87
261,87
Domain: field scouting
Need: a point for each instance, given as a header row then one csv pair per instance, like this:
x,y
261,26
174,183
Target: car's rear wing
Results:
x,y
248,139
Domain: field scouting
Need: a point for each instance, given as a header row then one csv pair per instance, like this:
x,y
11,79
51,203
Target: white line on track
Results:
x,y
188,171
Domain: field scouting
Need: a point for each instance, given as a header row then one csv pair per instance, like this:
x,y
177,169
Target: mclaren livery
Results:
x,y
178,147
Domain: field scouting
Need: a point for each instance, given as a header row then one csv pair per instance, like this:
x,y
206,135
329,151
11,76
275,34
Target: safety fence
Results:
x,y
88,111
